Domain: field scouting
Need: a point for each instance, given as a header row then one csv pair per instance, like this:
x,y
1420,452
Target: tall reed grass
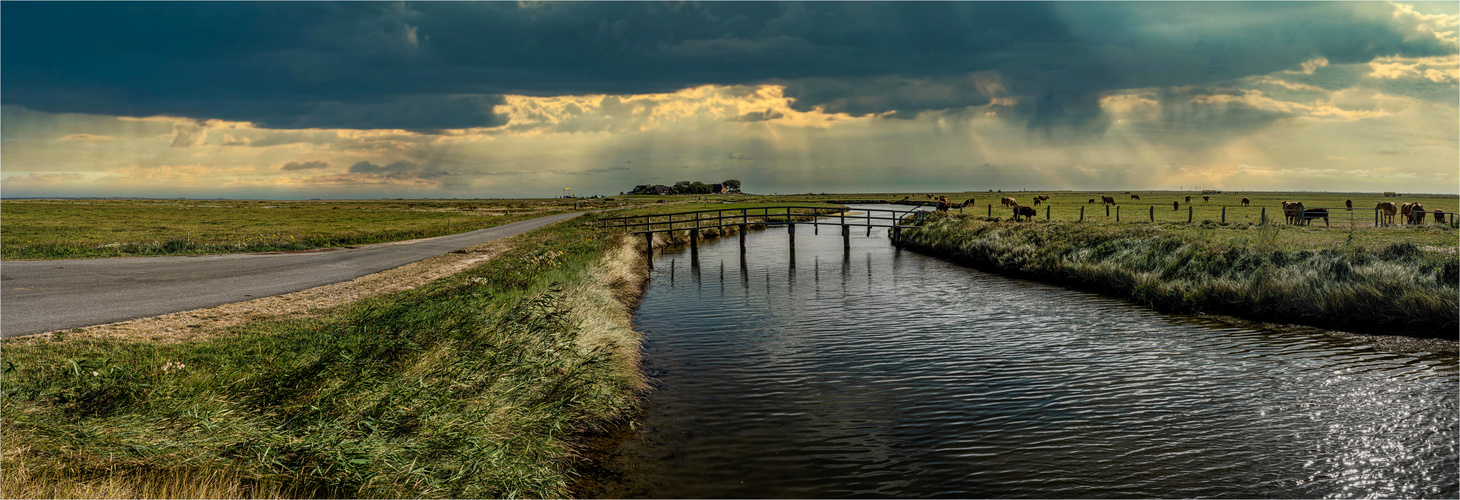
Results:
x,y
472,386
1398,288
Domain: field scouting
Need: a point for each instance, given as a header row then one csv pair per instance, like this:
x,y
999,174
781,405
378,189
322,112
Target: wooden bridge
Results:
x,y
747,218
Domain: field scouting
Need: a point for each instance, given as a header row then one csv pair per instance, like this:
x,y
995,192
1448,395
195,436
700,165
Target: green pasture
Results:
x,y
56,229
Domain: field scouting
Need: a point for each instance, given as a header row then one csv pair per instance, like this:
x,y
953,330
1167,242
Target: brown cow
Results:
x,y
1026,212
1036,201
1107,199
1175,205
1405,210
1135,197
1349,204
968,203
1092,200
1315,213
1416,214
1294,211
1245,201
1439,216
1009,202
1206,198
1387,211
1188,199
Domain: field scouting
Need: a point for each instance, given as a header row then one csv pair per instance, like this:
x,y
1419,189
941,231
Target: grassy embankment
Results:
x,y
471,386
1380,280
67,229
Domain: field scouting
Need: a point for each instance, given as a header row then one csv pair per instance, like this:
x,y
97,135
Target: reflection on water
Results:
x,y
879,372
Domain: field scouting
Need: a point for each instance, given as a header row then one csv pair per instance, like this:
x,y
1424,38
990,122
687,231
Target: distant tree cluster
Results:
x,y
689,187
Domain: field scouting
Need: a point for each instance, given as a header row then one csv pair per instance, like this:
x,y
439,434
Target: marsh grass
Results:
x,y
471,386
1262,272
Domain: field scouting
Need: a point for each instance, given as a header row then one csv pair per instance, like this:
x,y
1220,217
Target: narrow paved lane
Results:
x,y
41,296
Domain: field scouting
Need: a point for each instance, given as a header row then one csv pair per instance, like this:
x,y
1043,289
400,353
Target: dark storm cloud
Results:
x,y
444,65
308,165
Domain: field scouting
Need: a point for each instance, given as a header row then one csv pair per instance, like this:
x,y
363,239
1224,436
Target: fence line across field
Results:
x,y
1343,216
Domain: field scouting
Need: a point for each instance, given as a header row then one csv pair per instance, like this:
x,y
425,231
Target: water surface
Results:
x,y
876,372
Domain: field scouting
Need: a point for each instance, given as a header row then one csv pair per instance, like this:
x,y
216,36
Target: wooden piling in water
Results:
x,y
742,238
846,237
694,241
649,248
791,230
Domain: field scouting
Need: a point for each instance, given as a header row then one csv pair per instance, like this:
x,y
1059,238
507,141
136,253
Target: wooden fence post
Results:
x,y
1082,213
1224,215
991,210
1264,216
1153,213
1107,210
1046,212
1188,213
1117,213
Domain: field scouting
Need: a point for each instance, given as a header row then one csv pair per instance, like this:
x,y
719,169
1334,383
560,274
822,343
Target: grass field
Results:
x,y
471,386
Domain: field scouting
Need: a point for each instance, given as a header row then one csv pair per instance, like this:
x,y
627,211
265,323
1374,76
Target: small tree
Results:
x,y
732,185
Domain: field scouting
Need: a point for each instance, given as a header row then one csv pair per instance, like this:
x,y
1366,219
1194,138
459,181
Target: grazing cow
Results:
x,y
943,204
1245,201
1388,210
1405,210
1009,202
1206,198
1188,199
1439,216
968,203
1416,214
1293,210
1042,198
1107,199
1025,212
1175,205
1036,201
1315,213
1349,204
1092,200
1135,197
930,196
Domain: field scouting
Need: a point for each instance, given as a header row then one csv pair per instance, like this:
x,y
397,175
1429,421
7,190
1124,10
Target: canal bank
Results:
x,y
1396,288
874,371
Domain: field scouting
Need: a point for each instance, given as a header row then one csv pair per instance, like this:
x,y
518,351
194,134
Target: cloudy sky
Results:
x,y
456,99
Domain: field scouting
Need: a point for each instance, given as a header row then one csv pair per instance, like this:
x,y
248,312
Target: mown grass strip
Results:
x,y
1256,272
468,387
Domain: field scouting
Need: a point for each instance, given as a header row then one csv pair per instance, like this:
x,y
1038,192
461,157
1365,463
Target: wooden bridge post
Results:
x,y
791,230
742,238
649,248
694,241
846,237
896,235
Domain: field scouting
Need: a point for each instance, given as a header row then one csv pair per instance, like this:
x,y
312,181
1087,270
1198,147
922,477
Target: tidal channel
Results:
x,y
878,372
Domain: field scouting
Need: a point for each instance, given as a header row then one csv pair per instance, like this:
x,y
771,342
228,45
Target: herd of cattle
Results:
x,y
1294,211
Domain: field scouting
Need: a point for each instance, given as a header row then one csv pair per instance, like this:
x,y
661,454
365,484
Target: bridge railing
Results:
x,y
764,217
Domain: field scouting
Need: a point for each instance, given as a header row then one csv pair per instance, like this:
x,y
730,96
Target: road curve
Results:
x,y
42,296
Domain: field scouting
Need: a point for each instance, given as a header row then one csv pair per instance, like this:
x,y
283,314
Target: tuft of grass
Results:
x,y
1266,273
472,386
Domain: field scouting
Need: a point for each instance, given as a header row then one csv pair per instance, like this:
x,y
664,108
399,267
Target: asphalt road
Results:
x,y
41,296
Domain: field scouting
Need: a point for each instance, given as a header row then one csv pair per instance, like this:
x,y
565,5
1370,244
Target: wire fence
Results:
x,y
1192,214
